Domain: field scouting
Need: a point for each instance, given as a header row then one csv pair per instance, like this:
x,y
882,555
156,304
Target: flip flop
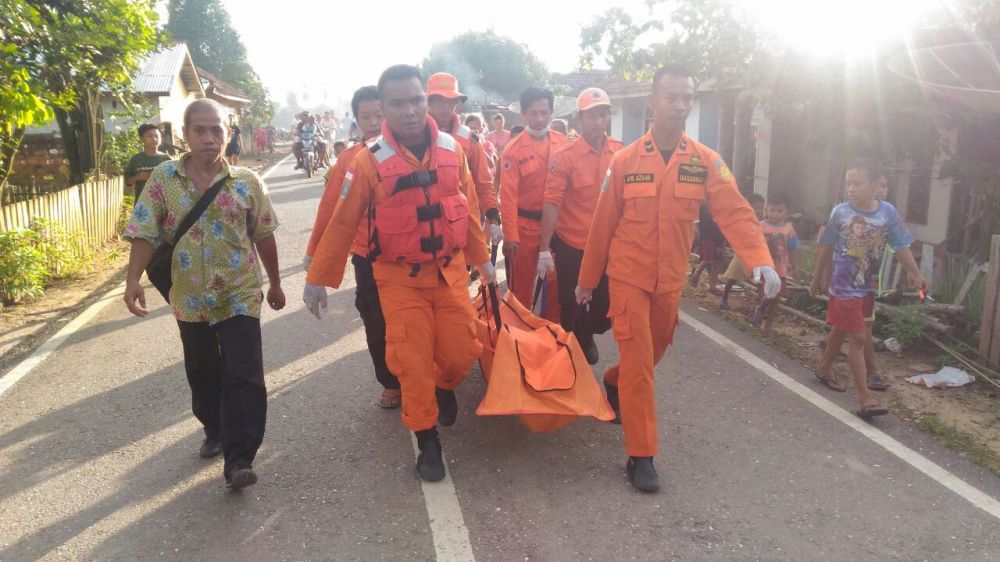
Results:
x,y
871,410
876,383
756,318
391,398
830,382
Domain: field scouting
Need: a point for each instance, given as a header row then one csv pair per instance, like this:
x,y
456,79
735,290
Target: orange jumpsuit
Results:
x,y
430,323
641,236
524,168
328,203
479,166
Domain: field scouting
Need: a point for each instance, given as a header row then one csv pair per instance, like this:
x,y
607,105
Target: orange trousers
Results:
x,y
643,325
525,269
430,341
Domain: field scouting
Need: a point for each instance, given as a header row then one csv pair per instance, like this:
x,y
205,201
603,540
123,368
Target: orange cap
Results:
x,y
592,97
445,85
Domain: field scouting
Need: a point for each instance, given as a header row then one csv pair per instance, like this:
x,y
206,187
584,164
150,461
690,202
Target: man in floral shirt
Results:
x,y
216,292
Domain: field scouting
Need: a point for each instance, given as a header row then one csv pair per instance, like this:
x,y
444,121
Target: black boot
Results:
x,y
612,392
589,347
642,475
430,465
447,406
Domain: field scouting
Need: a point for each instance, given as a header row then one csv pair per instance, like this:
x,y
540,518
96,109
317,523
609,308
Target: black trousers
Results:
x,y
225,369
573,317
367,302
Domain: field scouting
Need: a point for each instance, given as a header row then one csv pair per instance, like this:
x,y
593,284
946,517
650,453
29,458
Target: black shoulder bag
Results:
x,y
158,270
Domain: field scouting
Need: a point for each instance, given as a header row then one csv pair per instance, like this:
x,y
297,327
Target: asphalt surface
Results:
x,y
98,458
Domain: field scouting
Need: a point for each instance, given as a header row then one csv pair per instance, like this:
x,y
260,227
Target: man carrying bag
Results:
x,y
207,268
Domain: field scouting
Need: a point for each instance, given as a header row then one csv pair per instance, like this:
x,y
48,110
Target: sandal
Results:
x,y
756,318
871,410
876,383
391,398
830,382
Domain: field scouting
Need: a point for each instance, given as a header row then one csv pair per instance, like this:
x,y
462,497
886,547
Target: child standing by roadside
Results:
x,y
852,244
711,251
735,272
784,245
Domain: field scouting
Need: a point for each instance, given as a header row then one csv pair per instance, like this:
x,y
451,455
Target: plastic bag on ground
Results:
x,y
946,377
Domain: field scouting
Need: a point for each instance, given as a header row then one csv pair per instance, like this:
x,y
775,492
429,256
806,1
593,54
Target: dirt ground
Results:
x,y
26,326
966,418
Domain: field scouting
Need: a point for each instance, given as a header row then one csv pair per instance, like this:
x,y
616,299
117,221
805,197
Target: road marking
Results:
x,y
451,536
974,496
52,344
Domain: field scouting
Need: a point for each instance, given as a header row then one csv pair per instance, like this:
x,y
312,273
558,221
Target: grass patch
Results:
x,y
960,441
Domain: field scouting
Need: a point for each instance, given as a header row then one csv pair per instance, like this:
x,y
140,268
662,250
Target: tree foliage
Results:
x,y
487,65
60,56
216,46
711,37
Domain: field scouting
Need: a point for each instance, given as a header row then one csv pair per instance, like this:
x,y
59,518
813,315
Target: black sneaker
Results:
x,y
642,475
612,392
447,406
210,447
241,478
430,464
591,353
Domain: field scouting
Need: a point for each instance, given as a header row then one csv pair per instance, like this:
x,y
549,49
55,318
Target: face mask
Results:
x,y
537,134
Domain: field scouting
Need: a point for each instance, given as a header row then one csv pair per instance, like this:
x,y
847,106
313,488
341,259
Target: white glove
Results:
x,y
496,233
315,298
545,263
772,282
487,273
584,296
306,262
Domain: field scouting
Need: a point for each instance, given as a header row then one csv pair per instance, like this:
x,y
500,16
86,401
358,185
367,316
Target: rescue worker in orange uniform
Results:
x,y
524,168
641,237
368,115
443,98
576,172
414,184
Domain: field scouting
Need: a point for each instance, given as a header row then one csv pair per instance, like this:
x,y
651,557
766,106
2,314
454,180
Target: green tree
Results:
x,y
216,46
56,58
61,56
487,65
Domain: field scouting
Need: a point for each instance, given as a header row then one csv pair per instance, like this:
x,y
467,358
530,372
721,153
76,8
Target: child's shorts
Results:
x,y
735,271
709,250
848,315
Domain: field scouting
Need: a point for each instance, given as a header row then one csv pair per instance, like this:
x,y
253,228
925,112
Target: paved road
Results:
x,y
98,459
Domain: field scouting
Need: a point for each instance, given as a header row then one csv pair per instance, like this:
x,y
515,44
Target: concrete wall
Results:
x,y
628,121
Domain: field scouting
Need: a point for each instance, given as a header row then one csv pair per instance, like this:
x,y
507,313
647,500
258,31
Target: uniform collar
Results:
x,y
650,148
606,147
391,139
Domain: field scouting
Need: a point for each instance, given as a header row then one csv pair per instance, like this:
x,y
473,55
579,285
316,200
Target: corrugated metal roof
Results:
x,y
161,69
220,88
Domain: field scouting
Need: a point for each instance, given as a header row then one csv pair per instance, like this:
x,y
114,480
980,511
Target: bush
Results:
x,y
65,255
126,213
907,325
22,266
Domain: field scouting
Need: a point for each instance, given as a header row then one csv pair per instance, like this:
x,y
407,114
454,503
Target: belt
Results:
x,y
533,215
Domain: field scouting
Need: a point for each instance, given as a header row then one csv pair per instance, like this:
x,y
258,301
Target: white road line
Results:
x,y
923,464
451,536
53,343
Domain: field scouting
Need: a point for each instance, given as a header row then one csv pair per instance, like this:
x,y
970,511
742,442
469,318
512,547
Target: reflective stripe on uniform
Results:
x,y
445,141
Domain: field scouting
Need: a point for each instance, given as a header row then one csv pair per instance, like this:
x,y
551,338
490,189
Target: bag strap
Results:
x,y
199,208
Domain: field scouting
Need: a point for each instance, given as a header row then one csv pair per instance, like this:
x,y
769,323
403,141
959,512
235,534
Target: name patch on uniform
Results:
x,y
638,178
692,173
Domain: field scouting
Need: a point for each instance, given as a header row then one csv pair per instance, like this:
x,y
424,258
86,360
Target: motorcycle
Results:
x,y
309,155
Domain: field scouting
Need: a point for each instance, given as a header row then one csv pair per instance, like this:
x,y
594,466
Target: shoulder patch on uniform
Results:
x,y
636,178
345,188
723,170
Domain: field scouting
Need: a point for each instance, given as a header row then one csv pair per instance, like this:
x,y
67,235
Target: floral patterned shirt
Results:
x,y
215,272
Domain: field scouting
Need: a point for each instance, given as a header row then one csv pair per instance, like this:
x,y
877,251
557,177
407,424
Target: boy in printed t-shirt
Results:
x,y
735,272
784,244
852,243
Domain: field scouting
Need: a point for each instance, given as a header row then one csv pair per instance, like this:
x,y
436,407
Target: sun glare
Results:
x,y
828,28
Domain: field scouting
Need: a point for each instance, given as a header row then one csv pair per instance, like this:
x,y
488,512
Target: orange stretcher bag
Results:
x,y
534,369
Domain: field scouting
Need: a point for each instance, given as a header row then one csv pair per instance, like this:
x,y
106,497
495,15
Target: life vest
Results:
x,y
425,215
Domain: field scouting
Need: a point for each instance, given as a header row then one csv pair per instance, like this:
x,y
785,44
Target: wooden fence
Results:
x,y
989,333
90,210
